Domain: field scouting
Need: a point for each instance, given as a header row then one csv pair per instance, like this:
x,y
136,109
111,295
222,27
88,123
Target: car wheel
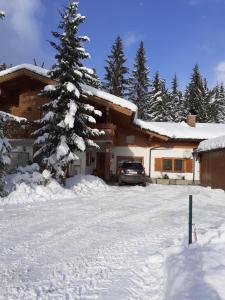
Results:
x,y
144,184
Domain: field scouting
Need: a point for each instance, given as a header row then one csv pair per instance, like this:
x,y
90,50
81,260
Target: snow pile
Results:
x,y
86,184
28,175
29,185
28,193
198,270
212,144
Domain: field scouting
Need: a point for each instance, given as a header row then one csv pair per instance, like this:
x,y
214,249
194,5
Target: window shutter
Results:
x,y
188,165
158,164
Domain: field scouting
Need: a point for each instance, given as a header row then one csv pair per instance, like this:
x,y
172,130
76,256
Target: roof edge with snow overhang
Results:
x,y
217,143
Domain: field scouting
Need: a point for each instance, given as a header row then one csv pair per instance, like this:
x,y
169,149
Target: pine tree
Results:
x,y
139,83
6,120
198,97
96,83
218,106
116,82
159,108
65,126
176,102
2,14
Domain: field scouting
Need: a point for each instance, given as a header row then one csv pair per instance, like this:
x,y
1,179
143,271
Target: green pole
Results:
x,y
190,221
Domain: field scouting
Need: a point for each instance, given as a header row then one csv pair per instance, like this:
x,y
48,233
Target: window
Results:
x,y
178,165
175,165
130,139
167,164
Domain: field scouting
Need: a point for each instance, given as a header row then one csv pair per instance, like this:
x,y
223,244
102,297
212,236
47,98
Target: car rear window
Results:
x,y
132,165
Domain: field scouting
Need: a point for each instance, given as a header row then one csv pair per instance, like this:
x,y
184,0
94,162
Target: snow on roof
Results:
x,y
212,144
182,130
111,98
32,68
91,90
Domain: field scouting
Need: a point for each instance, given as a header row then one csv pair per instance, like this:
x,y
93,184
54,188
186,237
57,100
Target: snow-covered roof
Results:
x,y
111,98
91,90
212,144
182,130
32,68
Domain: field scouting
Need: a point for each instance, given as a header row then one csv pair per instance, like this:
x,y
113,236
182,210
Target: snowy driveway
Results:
x,y
119,243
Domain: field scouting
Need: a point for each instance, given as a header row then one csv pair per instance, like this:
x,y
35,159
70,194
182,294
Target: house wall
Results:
x,y
212,169
174,153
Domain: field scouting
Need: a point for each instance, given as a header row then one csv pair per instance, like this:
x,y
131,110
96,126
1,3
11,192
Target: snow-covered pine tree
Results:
x,y
198,97
159,108
139,84
3,67
115,80
5,148
218,106
2,14
96,83
176,102
65,127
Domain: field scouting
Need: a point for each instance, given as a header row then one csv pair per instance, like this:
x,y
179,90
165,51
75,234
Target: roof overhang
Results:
x,y
24,72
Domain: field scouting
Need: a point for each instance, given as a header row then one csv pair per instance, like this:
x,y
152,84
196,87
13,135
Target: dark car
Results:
x,y
131,172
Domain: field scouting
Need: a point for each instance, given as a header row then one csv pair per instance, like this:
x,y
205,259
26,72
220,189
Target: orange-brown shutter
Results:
x,y
158,164
188,165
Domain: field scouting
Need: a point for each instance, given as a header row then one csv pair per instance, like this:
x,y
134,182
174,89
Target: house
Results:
x,y
161,147
211,154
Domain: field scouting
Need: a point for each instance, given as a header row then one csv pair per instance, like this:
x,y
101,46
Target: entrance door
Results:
x,y
100,164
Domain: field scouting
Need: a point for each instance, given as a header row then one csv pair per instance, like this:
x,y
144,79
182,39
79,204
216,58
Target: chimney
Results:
x,y
191,120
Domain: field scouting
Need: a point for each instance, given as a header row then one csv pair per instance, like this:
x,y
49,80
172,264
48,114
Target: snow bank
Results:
x,y
212,144
28,193
26,186
197,271
86,184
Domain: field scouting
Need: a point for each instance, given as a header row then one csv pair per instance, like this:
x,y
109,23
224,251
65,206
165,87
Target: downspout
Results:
x,y
193,165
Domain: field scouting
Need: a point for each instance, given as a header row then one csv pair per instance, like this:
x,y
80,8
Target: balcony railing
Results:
x,y
109,131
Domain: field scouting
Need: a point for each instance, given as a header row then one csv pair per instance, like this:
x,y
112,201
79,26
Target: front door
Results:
x,y
100,164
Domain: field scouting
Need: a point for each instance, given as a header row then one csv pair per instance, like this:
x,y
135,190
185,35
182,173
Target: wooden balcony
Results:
x,y
108,128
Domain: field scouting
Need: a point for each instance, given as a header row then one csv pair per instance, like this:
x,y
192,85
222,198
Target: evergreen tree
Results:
x,y
65,126
3,67
159,108
139,83
116,82
96,83
218,106
198,97
6,119
2,14
176,102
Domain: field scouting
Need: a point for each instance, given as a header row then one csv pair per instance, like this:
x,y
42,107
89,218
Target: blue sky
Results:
x,y
177,33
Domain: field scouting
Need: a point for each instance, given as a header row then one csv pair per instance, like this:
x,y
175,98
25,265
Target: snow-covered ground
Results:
x,y
93,241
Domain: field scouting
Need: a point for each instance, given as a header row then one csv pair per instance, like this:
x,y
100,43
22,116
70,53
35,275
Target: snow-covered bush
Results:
x,y
29,175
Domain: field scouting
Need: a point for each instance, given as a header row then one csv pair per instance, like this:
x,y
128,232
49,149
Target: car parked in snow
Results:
x,y
131,172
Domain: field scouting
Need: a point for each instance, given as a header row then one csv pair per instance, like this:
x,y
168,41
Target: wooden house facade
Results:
x,y
162,147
